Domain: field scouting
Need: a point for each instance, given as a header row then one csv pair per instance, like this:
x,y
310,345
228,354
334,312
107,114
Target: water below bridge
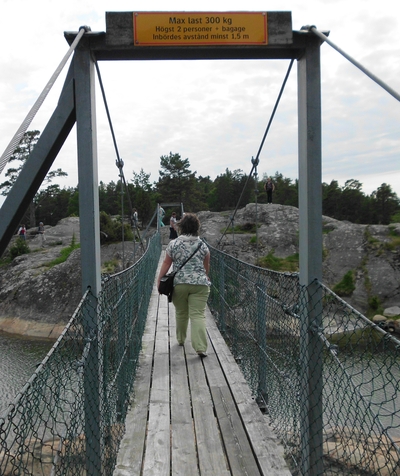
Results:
x,y
18,360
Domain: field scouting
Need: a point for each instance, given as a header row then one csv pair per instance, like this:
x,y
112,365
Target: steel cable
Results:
x,y
255,161
32,113
353,61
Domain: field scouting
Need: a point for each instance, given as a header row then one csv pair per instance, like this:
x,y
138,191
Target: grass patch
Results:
x,y
290,263
394,243
109,267
242,229
367,338
64,253
370,239
346,286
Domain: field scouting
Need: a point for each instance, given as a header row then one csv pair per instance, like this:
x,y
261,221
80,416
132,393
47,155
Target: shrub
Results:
x,y
19,248
374,306
346,286
111,230
395,218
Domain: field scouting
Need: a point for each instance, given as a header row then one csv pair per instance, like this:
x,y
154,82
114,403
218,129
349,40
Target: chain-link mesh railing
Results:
x,y
328,378
69,418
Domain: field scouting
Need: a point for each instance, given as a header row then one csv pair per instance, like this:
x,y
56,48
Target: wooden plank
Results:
x,y
269,452
239,451
130,455
183,448
210,449
157,453
172,427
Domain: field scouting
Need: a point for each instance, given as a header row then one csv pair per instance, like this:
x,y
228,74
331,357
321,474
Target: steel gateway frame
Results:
x,y
77,105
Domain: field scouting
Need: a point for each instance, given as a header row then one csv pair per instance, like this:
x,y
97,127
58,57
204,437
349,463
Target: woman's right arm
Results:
x,y
206,263
164,268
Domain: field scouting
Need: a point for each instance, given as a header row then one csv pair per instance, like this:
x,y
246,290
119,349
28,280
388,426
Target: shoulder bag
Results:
x,y
167,281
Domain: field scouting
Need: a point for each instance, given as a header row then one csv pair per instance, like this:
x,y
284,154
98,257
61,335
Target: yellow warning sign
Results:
x,y
199,28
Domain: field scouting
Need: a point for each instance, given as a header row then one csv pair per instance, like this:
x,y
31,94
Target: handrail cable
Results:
x,y
32,113
352,60
119,162
255,161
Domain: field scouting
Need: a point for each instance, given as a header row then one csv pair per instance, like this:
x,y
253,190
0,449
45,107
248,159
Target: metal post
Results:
x,y
310,227
262,340
222,295
90,250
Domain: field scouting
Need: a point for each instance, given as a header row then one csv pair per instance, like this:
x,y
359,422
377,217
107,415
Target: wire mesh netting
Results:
x,y
69,417
327,377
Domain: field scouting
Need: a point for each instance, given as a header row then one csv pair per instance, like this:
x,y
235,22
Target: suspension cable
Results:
x,y
32,113
255,161
119,162
352,60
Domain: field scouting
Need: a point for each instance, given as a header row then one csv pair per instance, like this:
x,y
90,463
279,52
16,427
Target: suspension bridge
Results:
x,y
297,382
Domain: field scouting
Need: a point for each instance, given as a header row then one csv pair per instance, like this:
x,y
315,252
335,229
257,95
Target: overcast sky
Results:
x,y
215,112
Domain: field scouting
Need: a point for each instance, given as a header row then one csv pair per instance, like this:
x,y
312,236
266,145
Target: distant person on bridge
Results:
x,y
172,227
269,187
161,214
135,218
191,283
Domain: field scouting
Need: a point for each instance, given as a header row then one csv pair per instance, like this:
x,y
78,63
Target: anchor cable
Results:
x,y
32,113
353,61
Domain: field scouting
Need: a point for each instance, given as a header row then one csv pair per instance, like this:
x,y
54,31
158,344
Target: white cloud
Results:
x,y
215,112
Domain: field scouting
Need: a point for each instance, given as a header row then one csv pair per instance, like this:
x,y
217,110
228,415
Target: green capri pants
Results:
x,y
190,302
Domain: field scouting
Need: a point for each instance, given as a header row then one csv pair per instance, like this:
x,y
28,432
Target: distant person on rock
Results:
x,y
22,232
269,187
41,233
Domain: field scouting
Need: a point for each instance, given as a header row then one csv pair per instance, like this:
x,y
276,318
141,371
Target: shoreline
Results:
x,y
30,329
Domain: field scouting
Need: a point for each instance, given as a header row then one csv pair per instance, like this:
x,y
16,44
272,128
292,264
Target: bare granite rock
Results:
x,y
367,250
36,299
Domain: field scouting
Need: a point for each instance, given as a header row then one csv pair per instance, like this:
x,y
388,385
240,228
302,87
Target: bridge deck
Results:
x,y
193,416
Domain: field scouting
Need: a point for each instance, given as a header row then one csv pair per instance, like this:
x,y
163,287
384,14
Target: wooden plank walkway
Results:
x,y
193,416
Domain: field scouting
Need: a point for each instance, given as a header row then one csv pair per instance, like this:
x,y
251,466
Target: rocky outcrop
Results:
x,y
372,252
37,299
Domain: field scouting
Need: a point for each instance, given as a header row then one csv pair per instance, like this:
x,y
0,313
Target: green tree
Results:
x,y
331,195
177,183
142,195
286,192
110,197
51,204
351,201
205,187
385,204
222,196
21,154
73,203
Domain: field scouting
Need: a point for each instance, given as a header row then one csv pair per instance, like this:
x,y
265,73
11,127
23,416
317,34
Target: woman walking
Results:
x,y
191,283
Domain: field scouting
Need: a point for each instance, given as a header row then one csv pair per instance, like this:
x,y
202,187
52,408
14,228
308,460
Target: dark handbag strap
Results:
x,y
190,257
